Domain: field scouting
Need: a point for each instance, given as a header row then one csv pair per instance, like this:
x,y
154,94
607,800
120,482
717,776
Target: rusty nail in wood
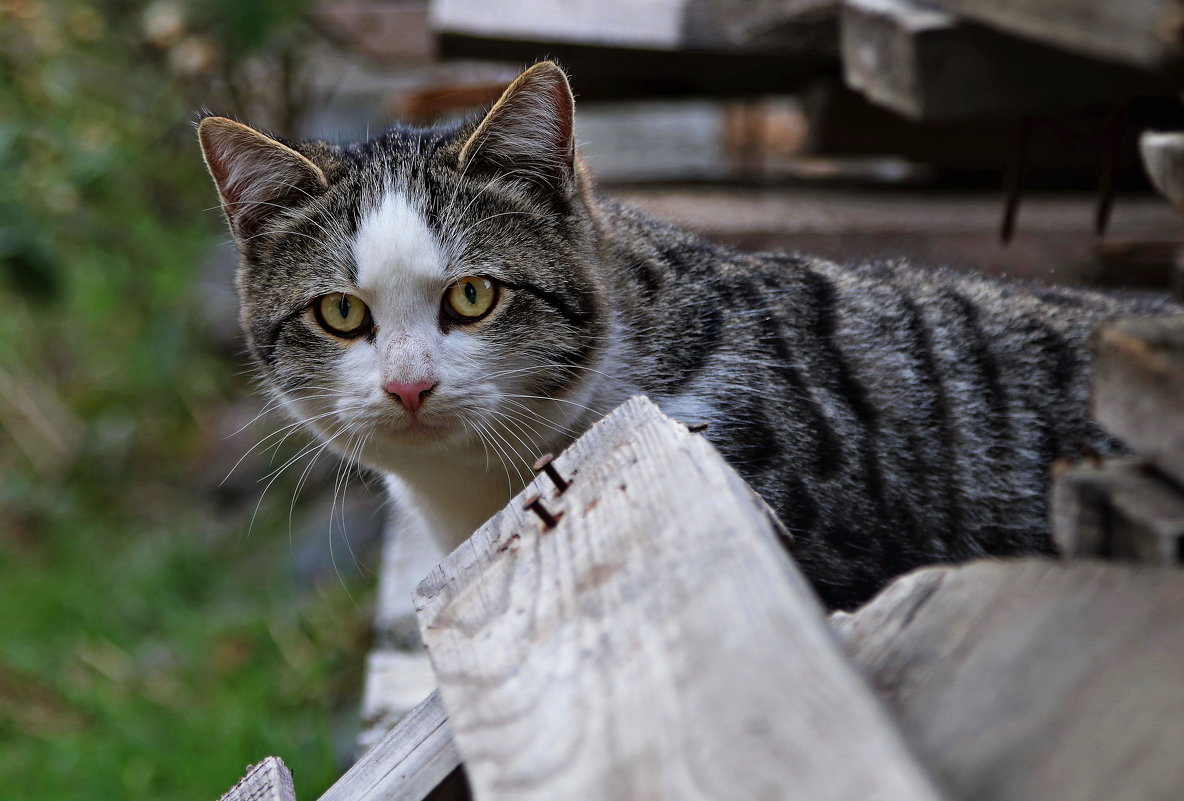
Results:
x,y
535,504
697,428
545,463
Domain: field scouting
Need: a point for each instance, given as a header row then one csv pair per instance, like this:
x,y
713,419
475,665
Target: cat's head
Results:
x,y
426,289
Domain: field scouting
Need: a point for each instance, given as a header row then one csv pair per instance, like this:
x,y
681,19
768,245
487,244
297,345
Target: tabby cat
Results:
x,y
444,304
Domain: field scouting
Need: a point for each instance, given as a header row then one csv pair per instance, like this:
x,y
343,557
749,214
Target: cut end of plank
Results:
x,y
269,780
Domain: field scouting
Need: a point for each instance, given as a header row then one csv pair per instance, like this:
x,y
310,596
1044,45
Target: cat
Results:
x,y
444,304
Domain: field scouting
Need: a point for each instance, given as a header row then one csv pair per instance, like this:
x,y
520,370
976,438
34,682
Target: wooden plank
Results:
x,y
667,48
1138,387
656,643
1141,32
1034,679
270,780
408,764
624,23
709,25
1122,509
922,62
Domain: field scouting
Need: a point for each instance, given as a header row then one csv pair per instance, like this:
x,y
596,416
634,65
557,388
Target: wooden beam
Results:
x,y
1122,509
657,642
924,63
1034,679
270,780
1145,33
707,25
661,48
408,764
1138,387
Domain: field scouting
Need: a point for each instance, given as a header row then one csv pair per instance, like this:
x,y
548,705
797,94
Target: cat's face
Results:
x,y
424,291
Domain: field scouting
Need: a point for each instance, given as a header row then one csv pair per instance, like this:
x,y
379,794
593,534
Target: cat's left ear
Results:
x,y
257,176
528,133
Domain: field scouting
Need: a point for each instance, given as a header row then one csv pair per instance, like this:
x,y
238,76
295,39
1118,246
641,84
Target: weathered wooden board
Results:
x,y
1034,679
1122,509
1138,387
1142,32
656,643
663,48
270,780
407,764
657,25
922,62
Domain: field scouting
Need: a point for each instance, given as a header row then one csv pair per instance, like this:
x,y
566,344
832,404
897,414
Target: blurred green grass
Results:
x,y
150,647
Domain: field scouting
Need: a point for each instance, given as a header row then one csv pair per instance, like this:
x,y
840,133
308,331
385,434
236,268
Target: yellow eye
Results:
x,y
470,298
341,314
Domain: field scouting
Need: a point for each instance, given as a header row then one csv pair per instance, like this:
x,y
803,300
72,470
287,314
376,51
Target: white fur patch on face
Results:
x,y
396,253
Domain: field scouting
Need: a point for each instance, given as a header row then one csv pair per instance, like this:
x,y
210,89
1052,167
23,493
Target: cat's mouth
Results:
x,y
417,429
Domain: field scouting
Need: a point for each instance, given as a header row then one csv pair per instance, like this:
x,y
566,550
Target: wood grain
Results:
x,y
1138,387
782,26
1034,679
1121,509
270,780
1141,32
656,644
924,63
408,764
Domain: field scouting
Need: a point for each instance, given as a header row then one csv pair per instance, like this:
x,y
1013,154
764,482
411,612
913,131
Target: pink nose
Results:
x,y
411,395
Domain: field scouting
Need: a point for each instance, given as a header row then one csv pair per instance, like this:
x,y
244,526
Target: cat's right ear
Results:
x,y
256,175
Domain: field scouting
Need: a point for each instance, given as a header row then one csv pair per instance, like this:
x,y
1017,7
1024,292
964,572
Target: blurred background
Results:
x,y
185,587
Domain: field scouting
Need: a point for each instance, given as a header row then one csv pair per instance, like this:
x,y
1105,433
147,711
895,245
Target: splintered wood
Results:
x,y
408,764
656,643
270,780
1034,680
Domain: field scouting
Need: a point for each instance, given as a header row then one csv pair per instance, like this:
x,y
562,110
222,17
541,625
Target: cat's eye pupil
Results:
x,y
470,298
342,314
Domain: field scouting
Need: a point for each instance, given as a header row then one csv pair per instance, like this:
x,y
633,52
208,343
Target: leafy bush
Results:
x,y
149,648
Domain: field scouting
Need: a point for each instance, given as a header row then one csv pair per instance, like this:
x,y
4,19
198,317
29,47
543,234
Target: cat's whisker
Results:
x,y
526,415
319,447
531,448
296,493
502,458
512,457
596,412
341,486
298,426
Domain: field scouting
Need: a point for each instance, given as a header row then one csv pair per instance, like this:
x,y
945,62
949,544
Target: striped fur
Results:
x,y
892,416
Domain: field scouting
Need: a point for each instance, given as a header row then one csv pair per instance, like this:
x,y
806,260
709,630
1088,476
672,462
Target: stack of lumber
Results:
x,y
950,59
637,630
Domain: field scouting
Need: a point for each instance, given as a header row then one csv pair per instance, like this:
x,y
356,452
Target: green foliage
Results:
x,y
148,649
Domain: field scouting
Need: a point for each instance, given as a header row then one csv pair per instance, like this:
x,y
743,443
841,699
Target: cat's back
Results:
x,y
892,415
